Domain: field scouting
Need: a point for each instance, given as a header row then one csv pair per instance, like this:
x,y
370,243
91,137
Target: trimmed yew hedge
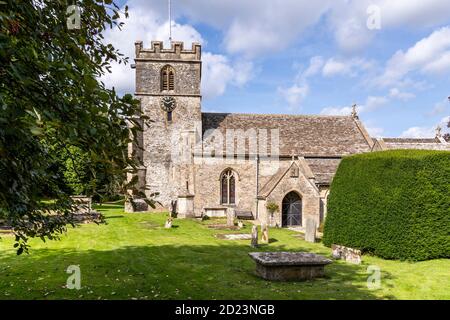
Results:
x,y
394,204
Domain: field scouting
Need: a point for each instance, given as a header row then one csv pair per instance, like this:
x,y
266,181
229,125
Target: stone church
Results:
x,y
220,164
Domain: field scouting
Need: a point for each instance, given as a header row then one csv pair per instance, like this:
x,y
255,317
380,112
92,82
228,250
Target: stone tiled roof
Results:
x,y
302,135
273,181
323,169
414,143
411,140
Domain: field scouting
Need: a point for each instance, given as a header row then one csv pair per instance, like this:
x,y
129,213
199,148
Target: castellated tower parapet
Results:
x,y
176,52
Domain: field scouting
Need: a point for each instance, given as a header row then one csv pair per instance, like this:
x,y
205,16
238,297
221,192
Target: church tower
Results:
x,y
168,87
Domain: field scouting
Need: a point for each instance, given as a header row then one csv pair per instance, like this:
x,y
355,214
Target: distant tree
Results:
x,y
52,103
447,135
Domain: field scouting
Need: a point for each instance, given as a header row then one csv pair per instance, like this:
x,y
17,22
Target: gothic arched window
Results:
x,y
228,187
167,78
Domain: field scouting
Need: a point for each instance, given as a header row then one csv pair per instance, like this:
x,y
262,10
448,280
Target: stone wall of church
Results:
x,y
207,187
207,184
167,174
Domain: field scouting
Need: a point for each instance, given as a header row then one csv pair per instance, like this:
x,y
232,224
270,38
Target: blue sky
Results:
x,y
391,58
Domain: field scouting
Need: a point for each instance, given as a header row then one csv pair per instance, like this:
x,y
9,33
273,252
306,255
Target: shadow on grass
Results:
x,y
167,272
114,217
105,206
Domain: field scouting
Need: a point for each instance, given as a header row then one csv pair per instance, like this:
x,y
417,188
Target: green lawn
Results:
x,y
134,257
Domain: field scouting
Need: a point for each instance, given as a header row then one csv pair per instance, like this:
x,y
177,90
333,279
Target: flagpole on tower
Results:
x,y
170,21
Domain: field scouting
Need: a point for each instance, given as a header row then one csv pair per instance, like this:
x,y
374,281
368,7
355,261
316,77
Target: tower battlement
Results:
x,y
176,52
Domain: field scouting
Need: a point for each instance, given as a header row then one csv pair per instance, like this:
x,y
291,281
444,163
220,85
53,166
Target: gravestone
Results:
x,y
264,233
83,204
230,218
310,232
254,242
240,224
348,254
168,223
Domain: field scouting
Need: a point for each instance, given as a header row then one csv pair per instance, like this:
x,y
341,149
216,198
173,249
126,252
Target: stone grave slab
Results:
x,y
289,266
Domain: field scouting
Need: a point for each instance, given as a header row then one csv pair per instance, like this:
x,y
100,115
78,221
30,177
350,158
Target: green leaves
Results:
x,y
61,130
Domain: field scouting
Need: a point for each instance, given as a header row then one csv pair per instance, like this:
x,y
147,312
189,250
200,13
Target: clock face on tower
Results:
x,y
168,104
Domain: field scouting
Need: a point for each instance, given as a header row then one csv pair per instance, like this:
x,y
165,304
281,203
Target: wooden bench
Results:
x,y
244,215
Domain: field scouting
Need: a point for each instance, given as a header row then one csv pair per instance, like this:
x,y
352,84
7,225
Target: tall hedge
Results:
x,y
394,204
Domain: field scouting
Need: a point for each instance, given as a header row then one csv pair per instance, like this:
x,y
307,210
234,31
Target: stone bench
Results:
x,y
289,266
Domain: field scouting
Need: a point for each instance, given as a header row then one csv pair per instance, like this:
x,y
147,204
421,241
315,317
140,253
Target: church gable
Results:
x,y
296,176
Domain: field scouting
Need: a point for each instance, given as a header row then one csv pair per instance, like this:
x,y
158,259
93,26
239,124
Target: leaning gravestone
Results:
x,y
254,242
310,232
230,218
264,233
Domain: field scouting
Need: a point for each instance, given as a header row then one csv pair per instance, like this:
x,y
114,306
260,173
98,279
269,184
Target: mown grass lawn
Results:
x,y
134,257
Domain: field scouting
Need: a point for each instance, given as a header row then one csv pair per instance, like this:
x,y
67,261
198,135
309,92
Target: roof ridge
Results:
x,y
277,114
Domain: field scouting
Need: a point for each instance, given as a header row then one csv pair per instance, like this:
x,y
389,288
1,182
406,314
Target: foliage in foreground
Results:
x,y
52,102
394,204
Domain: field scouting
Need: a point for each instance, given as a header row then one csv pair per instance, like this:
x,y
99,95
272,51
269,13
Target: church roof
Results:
x,y
413,143
323,169
304,135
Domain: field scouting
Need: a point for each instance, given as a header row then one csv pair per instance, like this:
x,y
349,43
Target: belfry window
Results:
x,y
228,187
167,78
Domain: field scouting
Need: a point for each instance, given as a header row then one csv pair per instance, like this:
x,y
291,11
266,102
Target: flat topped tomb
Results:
x,y
289,266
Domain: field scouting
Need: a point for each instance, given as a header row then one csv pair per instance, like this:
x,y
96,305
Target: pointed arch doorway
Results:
x,y
291,210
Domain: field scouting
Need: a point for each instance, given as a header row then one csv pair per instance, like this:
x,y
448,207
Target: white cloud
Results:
x,y
315,64
348,19
425,132
419,132
143,25
147,25
439,108
262,27
351,67
404,96
294,95
336,111
348,23
257,27
218,73
333,67
372,103
429,55
375,132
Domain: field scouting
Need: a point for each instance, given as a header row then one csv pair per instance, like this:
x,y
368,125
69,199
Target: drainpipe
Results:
x,y
257,183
